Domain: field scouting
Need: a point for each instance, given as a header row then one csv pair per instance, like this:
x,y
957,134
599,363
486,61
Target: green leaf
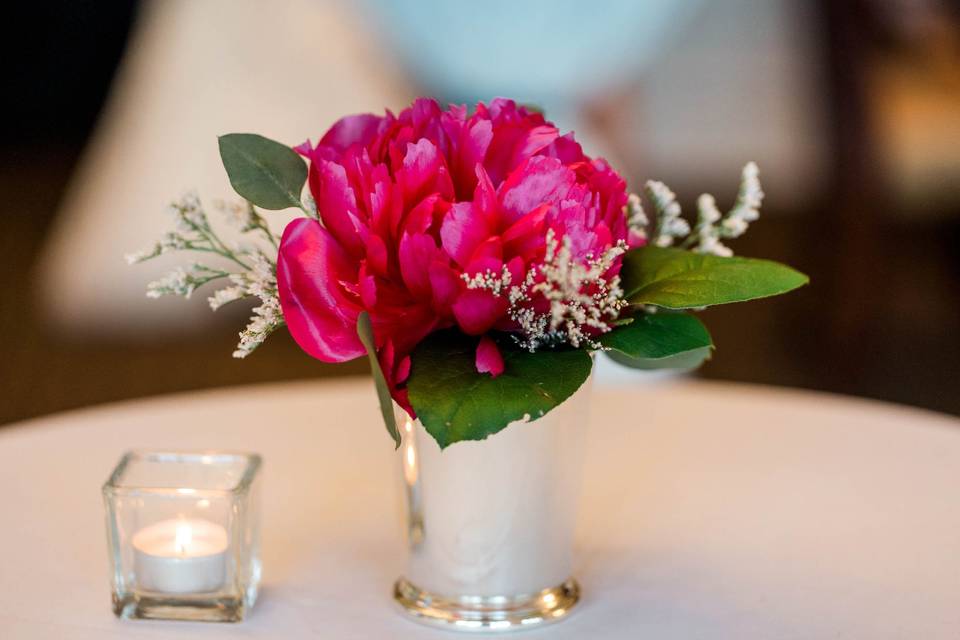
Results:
x,y
365,333
659,341
678,279
681,362
268,174
454,402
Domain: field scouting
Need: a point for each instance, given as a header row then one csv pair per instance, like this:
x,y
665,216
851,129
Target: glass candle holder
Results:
x,y
184,535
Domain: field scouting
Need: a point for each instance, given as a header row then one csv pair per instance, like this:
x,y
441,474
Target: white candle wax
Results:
x,y
181,556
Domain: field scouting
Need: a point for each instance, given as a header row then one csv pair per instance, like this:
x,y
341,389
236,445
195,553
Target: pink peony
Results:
x,y
427,217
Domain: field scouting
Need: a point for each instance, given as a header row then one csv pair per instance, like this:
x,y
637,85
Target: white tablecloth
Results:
x,y
709,511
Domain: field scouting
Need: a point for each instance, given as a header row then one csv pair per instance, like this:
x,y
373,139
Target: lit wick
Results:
x,y
183,537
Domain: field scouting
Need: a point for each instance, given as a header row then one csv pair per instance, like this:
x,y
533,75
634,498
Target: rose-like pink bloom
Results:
x,y
413,206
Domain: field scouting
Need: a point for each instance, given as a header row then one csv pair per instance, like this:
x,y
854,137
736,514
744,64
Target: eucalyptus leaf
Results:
x,y
267,173
455,402
678,279
659,341
365,333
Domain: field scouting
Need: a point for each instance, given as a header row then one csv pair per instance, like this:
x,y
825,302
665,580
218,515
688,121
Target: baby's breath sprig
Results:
x,y
670,225
256,277
637,220
192,232
583,302
183,282
711,228
244,216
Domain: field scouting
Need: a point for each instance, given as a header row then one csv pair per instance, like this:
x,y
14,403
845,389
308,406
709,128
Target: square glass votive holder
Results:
x,y
184,535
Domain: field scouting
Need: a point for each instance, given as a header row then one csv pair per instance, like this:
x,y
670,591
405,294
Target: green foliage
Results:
x,y
678,279
454,402
365,333
686,361
659,341
268,174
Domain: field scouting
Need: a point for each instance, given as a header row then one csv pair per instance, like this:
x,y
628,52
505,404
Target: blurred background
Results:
x,y
851,109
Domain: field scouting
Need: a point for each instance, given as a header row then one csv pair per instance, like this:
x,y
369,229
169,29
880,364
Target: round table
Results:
x,y
708,511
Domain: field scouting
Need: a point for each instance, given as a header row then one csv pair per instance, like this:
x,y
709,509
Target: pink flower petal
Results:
x,y
403,370
488,358
445,284
368,291
513,143
525,237
305,148
358,129
489,249
421,217
535,139
611,190
395,370
485,197
565,149
336,203
405,326
483,264
517,269
424,171
636,239
377,257
462,231
321,317
385,201
476,311
474,141
425,116
540,180
417,252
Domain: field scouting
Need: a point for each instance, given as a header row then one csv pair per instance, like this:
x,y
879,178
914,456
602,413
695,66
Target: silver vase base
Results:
x,y
487,613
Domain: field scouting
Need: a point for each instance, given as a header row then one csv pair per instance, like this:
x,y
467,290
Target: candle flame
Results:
x,y
183,538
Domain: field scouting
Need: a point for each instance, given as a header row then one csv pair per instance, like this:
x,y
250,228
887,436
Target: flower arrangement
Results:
x,y
477,259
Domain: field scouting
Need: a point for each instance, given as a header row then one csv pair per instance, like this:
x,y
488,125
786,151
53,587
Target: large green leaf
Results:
x,y
659,341
365,333
679,279
268,174
454,402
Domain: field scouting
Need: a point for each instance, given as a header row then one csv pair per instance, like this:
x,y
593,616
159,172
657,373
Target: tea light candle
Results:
x,y
181,556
